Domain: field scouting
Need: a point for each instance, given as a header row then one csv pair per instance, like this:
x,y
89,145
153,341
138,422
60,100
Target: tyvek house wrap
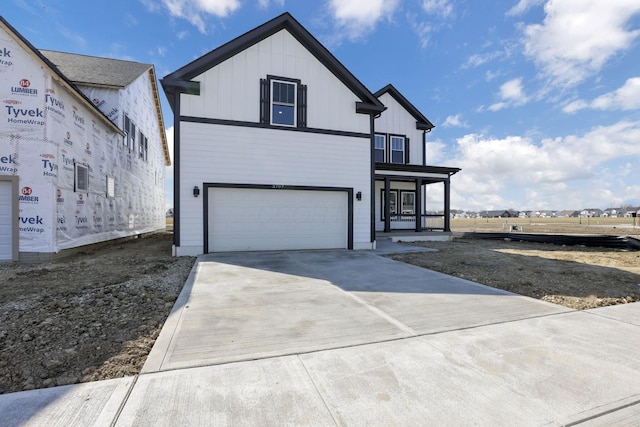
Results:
x,y
45,130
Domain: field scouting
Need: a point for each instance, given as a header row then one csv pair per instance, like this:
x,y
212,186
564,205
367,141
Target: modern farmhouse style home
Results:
x,y
276,148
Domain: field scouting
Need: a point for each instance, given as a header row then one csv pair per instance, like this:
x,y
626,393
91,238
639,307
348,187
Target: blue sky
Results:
x,y
537,101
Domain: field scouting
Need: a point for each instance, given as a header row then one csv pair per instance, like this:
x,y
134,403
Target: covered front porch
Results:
x,y
402,196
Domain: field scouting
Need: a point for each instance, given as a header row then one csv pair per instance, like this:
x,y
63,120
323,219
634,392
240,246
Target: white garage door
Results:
x,y
265,219
6,218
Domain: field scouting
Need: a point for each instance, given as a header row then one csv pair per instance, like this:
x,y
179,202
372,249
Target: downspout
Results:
x,y
176,170
372,196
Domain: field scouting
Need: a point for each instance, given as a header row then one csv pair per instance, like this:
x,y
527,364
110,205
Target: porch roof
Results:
x,y
414,171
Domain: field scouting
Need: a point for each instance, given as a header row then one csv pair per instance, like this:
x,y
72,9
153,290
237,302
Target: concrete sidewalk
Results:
x,y
353,338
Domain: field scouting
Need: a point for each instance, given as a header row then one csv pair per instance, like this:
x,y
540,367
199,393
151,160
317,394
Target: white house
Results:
x,y
401,171
82,150
274,147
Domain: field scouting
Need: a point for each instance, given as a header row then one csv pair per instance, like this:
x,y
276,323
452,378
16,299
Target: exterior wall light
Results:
x,y
196,191
359,195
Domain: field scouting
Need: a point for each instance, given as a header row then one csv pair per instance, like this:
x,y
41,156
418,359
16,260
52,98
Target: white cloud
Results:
x,y
195,10
504,170
511,94
578,37
441,10
476,60
523,6
512,90
435,152
626,97
356,18
497,106
437,7
422,29
265,3
454,121
574,106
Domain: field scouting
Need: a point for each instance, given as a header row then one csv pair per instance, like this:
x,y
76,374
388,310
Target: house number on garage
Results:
x,y
278,187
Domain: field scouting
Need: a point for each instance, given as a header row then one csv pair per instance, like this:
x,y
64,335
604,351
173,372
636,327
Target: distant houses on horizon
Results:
x,y
622,212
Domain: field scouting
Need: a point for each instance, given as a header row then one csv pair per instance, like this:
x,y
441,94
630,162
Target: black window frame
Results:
x,y
143,146
384,147
413,194
388,154
384,201
267,103
391,149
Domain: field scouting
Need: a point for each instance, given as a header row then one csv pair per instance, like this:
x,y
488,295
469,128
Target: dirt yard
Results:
x,y
91,316
574,276
95,315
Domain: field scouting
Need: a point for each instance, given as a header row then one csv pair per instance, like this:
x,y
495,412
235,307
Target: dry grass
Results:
x,y
602,226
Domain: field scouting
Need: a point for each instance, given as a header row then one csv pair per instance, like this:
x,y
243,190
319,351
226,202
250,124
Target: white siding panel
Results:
x,y
262,219
6,218
395,119
231,90
240,155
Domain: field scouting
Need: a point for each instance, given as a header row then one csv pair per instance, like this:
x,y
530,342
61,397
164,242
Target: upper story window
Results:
x,y
283,102
130,131
397,149
380,148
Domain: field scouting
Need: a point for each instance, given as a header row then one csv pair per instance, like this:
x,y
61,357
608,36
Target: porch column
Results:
x,y
418,208
387,206
447,205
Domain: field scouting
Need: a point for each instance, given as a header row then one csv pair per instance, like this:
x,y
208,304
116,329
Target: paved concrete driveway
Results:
x,y
353,338
249,306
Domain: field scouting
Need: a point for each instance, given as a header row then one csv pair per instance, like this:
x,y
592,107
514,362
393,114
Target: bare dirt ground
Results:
x,y
573,276
89,316
96,314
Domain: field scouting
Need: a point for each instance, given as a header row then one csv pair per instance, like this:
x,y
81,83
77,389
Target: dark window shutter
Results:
x,y
302,106
264,101
406,150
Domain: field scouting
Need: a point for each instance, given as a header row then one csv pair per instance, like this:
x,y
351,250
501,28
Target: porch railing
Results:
x,y
429,222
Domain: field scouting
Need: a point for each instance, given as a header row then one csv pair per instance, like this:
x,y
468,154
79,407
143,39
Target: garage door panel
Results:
x,y
263,219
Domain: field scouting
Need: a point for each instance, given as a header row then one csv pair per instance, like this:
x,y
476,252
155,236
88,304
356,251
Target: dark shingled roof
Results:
x,y
94,71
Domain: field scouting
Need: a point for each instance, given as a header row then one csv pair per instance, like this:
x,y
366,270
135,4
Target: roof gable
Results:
x,y
95,71
422,122
55,71
180,80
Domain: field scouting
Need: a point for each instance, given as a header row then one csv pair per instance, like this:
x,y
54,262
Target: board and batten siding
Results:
x,y
397,120
231,90
241,155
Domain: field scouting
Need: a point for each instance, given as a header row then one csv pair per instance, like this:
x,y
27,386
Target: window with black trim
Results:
x,y
283,102
125,127
380,148
397,154
130,131
408,202
81,178
143,147
390,148
393,202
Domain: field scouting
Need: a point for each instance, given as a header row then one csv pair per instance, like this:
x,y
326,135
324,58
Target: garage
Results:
x,y
8,235
280,218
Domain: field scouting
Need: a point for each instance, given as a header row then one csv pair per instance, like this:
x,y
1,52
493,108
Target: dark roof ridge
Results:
x,y
179,80
422,122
